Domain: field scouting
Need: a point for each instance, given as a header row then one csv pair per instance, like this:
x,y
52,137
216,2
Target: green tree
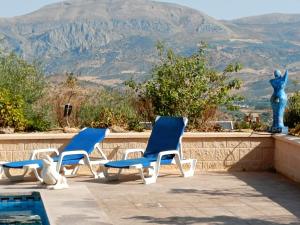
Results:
x,y
25,81
21,78
187,86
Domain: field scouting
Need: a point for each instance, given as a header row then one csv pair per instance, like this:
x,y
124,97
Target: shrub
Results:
x,y
256,126
134,124
187,86
27,84
93,108
292,114
41,117
21,78
108,108
66,92
260,126
239,125
12,111
295,131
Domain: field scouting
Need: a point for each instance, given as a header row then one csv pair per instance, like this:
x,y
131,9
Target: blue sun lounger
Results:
x,y
164,148
76,153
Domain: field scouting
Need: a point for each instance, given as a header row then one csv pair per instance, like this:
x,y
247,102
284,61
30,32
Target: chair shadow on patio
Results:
x,y
189,220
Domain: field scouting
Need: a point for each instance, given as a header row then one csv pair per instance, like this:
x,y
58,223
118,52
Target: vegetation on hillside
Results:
x,y
187,86
22,85
179,86
12,110
292,114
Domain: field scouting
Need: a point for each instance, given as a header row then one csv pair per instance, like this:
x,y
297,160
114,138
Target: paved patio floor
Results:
x,y
210,198
207,198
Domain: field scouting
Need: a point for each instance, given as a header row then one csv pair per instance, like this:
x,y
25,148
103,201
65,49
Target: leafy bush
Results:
x,y
41,118
108,108
27,84
295,131
134,124
292,114
12,110
256,126
184,86
21,78
187,86
239,125
260,126
93,108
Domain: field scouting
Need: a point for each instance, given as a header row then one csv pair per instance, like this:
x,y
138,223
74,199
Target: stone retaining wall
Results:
x,y
287,156
214,151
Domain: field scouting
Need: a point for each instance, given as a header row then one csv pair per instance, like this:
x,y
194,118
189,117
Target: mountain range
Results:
x,y
109,41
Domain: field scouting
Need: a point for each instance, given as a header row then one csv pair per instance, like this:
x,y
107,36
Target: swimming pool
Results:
x,y
23,209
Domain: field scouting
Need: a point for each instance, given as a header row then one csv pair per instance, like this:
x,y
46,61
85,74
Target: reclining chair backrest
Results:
x,y
166,135
85,140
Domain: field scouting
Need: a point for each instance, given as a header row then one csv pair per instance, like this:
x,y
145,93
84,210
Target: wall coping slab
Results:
x,y
294,140
135,135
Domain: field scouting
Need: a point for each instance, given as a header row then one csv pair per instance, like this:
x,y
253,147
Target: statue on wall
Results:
x,y
279,101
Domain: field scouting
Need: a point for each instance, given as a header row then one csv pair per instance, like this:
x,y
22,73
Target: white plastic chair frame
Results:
x,y
31,167
85,161
152,172
68,172
1,169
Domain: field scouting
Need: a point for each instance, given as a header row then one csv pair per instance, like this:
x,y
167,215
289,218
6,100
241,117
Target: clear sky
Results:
x,y
220,9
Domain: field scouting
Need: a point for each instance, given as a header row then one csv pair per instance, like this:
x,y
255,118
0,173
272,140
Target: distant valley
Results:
x,y
109,41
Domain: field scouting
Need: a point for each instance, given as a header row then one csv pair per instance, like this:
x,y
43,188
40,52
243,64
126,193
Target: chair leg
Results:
x,y
70,172
1,172
2,169
191,171
36,173
192,168
101,169
87,162
75,170
14,177
119,172
111,177
152,173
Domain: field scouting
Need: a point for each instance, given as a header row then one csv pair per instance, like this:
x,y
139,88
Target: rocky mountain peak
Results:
x,y
115,39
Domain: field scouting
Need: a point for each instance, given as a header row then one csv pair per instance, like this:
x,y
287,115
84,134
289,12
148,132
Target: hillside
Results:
x,y
277,46
109,41
104,37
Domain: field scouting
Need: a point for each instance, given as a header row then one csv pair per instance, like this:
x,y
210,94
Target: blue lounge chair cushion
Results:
x,y
125,164
84,140
21,164
165,136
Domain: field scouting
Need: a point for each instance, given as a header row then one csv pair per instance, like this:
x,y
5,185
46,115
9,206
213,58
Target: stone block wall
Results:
x,y
287,156
234,153
214,151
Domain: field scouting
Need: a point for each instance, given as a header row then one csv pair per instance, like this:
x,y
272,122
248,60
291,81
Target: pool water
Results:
x,y
22,210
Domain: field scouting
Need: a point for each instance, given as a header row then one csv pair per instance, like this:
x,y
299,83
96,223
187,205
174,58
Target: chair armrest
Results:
x,y
171,152
37,151
64,154
129,151
76,152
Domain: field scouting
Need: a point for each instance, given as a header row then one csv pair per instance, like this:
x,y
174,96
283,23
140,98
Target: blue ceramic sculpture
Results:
x,y
279,101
